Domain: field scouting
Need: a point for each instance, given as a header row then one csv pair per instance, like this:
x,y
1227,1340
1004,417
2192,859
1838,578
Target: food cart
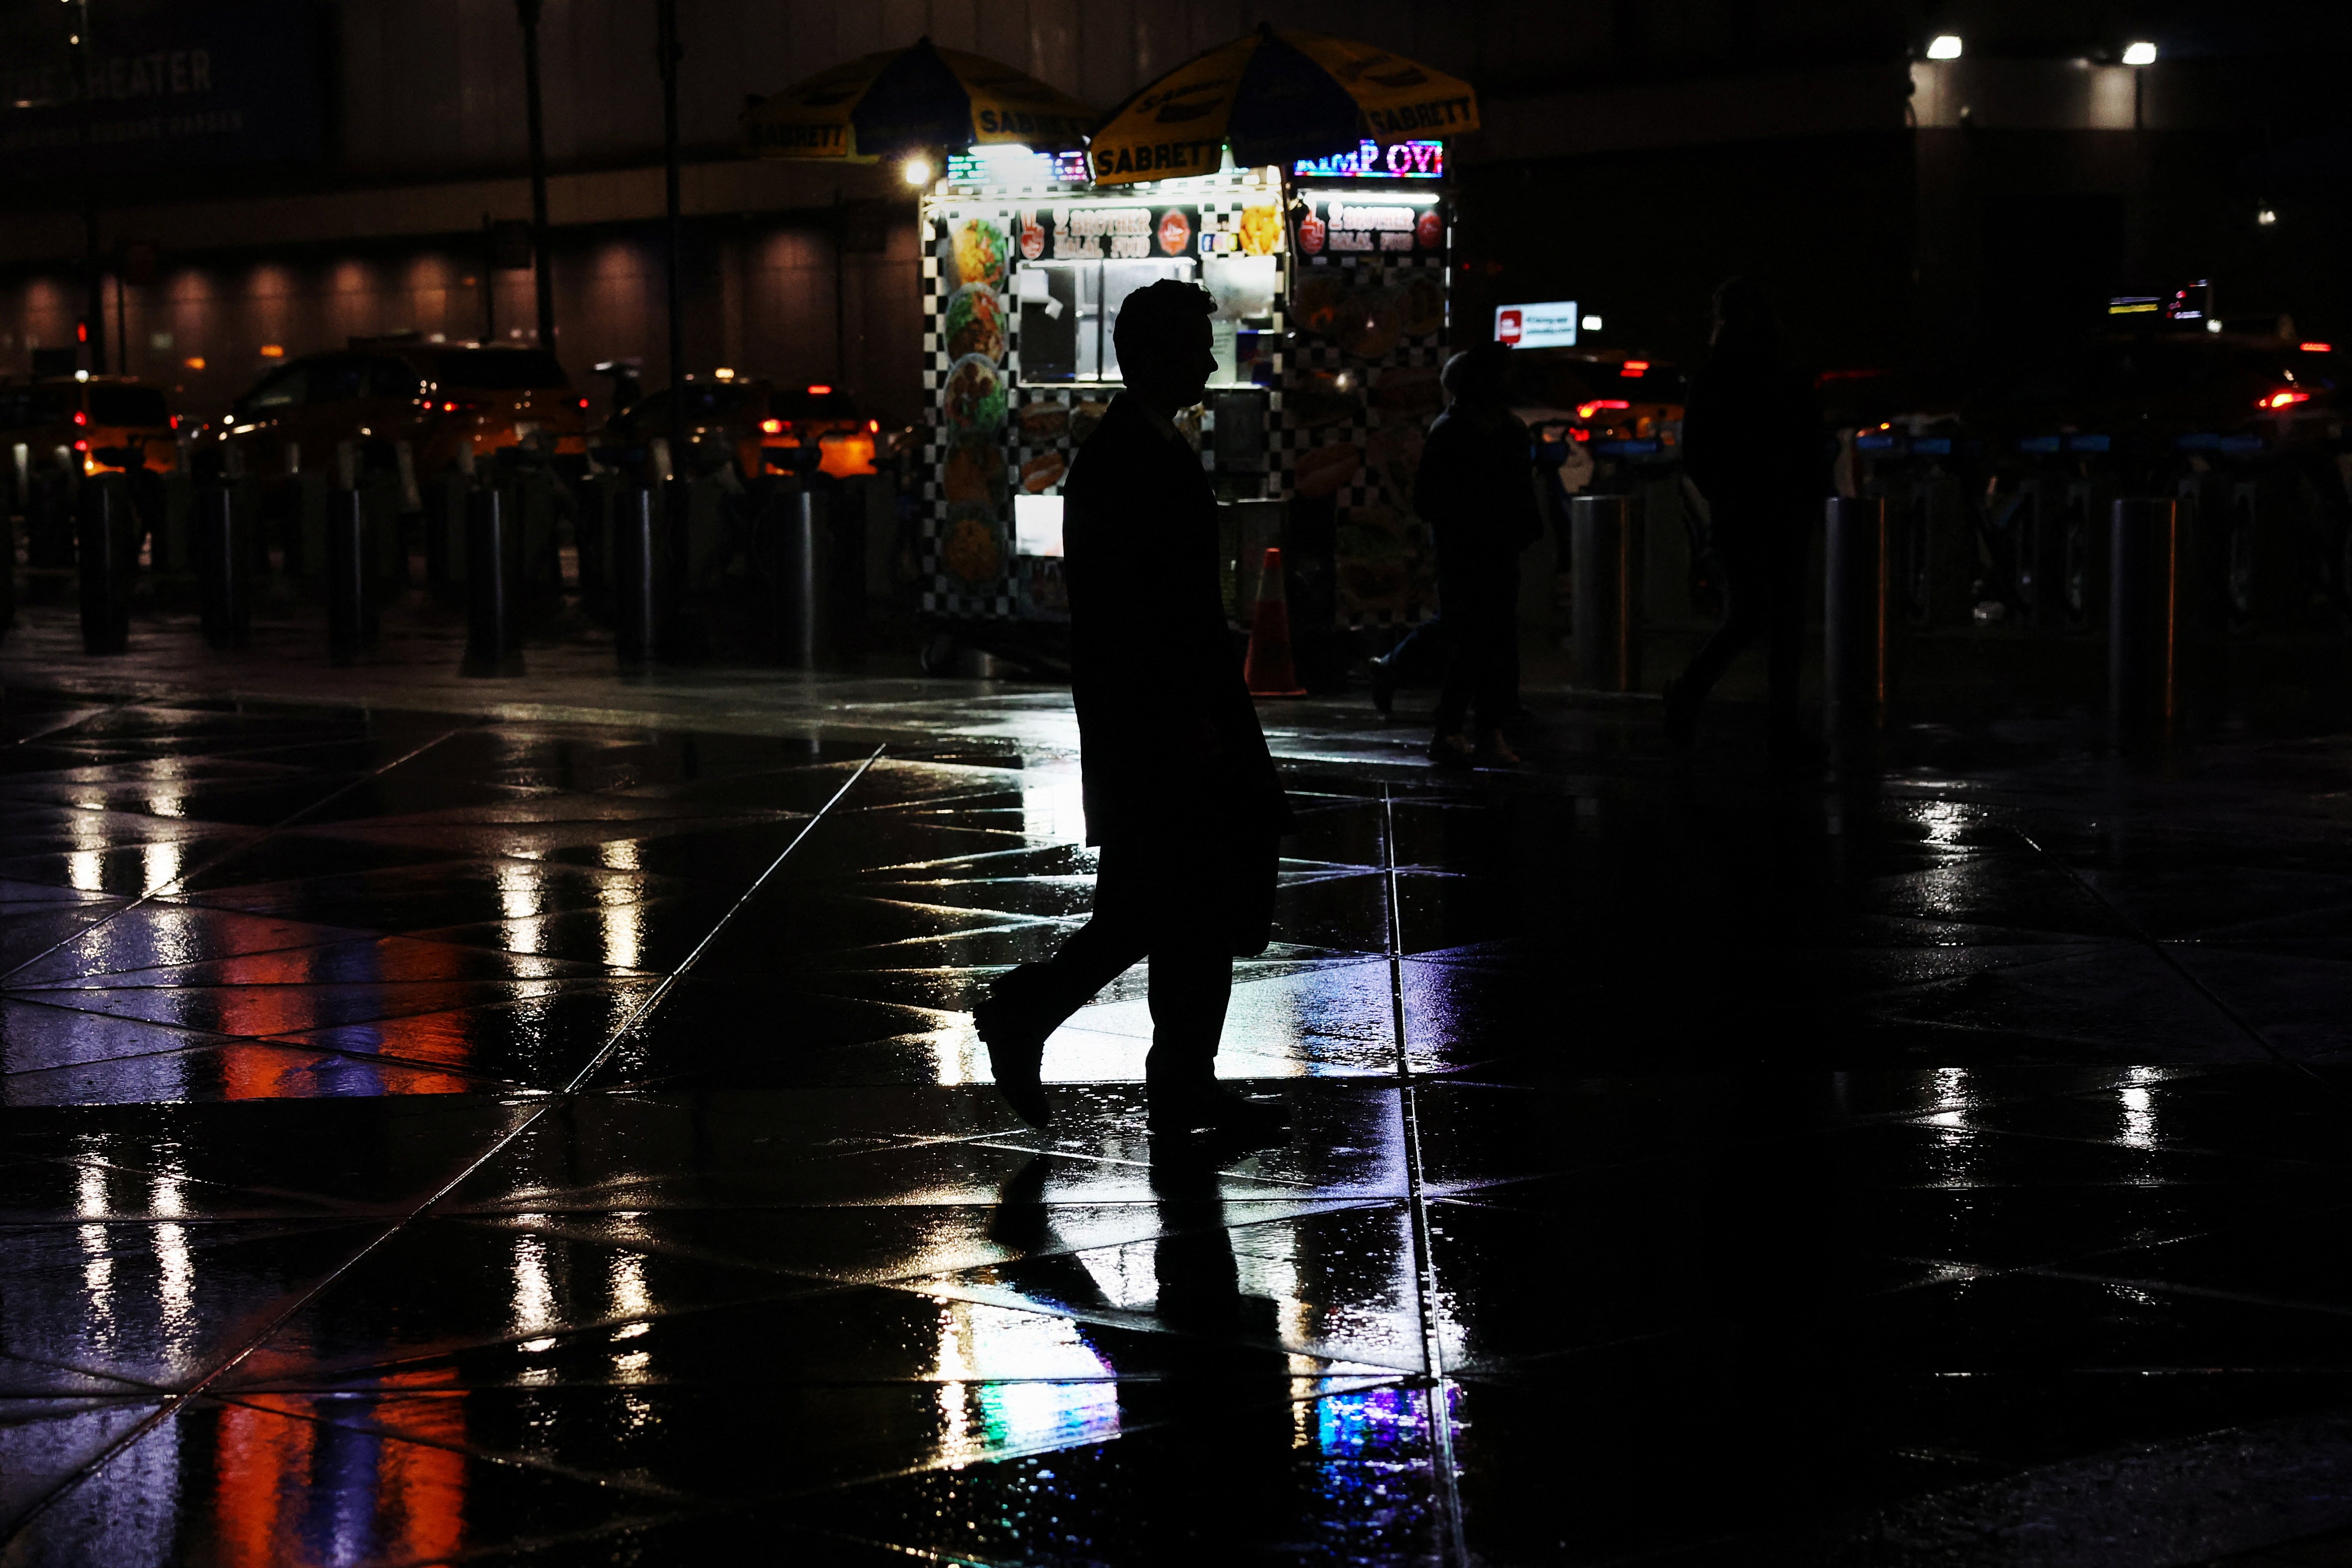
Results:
x,y
1331,284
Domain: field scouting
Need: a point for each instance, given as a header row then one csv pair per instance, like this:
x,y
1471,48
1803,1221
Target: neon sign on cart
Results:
x,y
1397,161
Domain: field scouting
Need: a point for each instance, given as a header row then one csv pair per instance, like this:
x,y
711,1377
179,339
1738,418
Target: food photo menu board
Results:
x,y
1025,292
1366,311
1332,301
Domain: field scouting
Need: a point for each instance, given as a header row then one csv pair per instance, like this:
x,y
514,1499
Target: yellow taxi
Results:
x,y
105,421
749,422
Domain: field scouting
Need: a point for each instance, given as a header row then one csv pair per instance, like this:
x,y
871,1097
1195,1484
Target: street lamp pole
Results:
x,y
668,50
542,270
93,259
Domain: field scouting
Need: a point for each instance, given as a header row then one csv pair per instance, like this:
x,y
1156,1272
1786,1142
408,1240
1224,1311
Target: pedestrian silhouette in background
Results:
x,y
1752,443
1476,491
1180,793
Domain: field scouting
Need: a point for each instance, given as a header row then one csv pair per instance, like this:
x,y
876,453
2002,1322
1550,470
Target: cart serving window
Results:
x,y
1024,273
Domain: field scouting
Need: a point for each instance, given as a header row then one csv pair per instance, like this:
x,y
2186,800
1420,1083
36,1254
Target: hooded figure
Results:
x,y
1752,443
1474,490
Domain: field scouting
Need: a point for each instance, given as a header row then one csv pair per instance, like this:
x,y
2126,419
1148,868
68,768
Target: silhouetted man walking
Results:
x,y
1180,793
1752,444
1475,490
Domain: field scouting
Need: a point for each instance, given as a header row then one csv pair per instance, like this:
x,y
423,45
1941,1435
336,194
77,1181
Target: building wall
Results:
x,y
760,298
1636,150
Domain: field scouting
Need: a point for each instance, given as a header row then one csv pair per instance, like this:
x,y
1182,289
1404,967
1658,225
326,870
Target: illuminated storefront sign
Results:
x,y
1394,224
1552,325
1397,161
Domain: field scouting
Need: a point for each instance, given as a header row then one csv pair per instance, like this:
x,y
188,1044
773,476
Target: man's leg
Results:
x,y
1089,958
1746,613
1190,984
1496,689
1217,899
1029,1002
1465,633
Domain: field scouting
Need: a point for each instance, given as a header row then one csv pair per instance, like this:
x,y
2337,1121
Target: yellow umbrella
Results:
x,y
910,100
1276,97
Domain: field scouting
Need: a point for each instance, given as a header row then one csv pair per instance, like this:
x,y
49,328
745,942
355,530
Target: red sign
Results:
x,y
1507,327
1175,232
1310,234
1431,230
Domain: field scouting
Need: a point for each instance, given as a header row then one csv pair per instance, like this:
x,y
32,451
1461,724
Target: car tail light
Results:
x,y
81,418
82,446
175,422
2284,398
1635,368
1587,410
2316,348
771,427
819,392
1577,434
584,405
874,427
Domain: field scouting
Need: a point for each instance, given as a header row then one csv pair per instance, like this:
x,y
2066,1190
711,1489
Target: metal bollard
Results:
x,y
224,559
107,548
351,616
491,645
1605,555
1855,608
49,518
629,543
800,581
2144,617
8,572
676,635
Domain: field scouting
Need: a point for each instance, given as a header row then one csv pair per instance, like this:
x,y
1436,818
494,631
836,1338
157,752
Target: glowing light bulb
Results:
x,y
1944,47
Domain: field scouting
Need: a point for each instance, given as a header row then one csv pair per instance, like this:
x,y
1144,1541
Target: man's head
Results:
x,y
1163,343
1475,376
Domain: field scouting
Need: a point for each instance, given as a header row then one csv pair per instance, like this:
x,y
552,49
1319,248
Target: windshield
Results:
x,y
707,402
800,404
128,405
497,370
21,406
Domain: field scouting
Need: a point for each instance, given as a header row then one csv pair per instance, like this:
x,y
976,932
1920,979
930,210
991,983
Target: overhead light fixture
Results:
x,y
2142,53
2265,216
916,170
1590,324
1944,47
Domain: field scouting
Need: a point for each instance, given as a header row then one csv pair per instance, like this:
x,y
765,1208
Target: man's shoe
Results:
x,y
1221,1114
1452,751
1385,682
1016,1045
1681,716
1496,752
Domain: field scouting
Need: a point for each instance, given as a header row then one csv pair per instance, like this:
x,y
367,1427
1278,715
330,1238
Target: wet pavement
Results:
x,y
425,1136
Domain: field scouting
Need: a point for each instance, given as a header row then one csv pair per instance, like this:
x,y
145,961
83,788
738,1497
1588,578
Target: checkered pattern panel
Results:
x,y
1386,567
1375,501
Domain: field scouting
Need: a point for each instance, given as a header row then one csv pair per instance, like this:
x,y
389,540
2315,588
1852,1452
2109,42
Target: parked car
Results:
x,y
443,400
746,421
107,422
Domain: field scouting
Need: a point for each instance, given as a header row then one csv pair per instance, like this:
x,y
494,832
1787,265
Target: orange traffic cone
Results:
x,y
1268,672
